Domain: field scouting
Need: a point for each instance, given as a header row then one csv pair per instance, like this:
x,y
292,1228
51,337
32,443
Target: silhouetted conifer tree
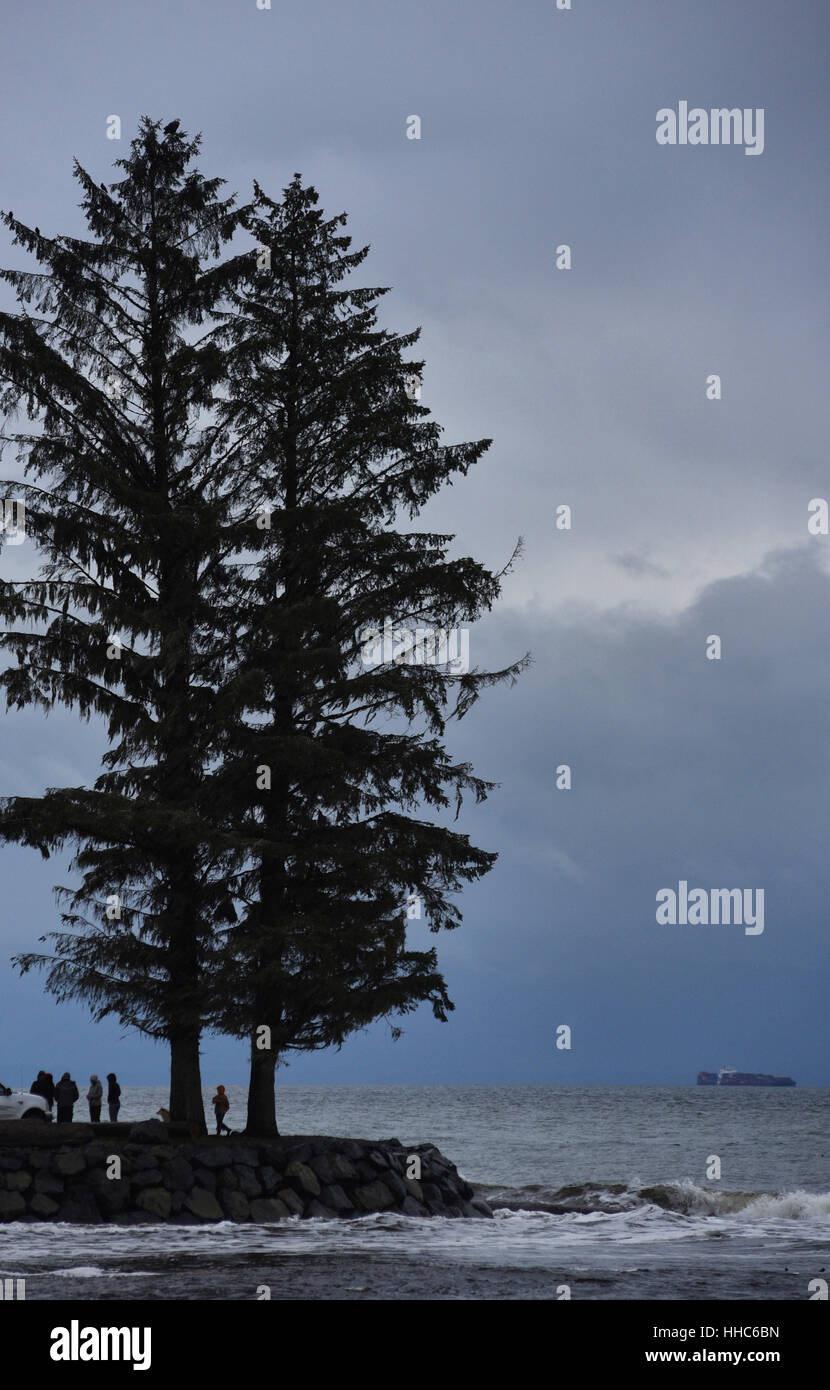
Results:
x,y
339,760
130,498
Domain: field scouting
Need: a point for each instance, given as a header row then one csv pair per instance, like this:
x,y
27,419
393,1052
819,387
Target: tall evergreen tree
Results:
x,y
338,452
131,500
244,771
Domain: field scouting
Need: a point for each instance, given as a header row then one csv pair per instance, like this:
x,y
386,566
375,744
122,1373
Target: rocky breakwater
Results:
x,y
144,1175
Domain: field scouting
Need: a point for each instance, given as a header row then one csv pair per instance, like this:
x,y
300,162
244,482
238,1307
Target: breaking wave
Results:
x,y
685,1198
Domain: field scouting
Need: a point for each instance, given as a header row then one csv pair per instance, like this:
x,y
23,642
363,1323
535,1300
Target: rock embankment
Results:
x,y
141,1176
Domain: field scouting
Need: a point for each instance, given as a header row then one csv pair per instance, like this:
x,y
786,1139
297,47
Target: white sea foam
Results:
x,y
796,1206
688,1197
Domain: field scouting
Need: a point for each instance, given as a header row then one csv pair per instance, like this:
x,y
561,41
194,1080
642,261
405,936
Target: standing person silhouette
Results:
x,y
66,1093
95,1095
113,1095
44,1086
221,1106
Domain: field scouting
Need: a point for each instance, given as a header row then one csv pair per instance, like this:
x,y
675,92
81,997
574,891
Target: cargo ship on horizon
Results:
x,y
728,1076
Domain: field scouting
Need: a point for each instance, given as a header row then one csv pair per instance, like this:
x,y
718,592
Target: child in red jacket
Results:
x,y
221,1106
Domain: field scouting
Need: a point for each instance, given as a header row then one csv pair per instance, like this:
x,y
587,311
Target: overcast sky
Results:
x,y
689,515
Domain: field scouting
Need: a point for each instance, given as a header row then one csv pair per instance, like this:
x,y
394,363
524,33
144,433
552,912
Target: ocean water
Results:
x,y
599,1192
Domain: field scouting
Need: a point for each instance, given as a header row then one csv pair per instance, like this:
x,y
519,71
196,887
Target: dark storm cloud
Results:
x,y
715,772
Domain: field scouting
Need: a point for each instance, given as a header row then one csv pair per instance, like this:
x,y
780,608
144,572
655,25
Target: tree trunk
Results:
x,y
186,1103
262,1110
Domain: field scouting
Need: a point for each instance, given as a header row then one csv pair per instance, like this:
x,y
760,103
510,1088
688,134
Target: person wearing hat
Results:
x,y
95,1095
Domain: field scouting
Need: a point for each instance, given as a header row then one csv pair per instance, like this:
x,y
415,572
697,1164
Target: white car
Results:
x,y
22,1105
